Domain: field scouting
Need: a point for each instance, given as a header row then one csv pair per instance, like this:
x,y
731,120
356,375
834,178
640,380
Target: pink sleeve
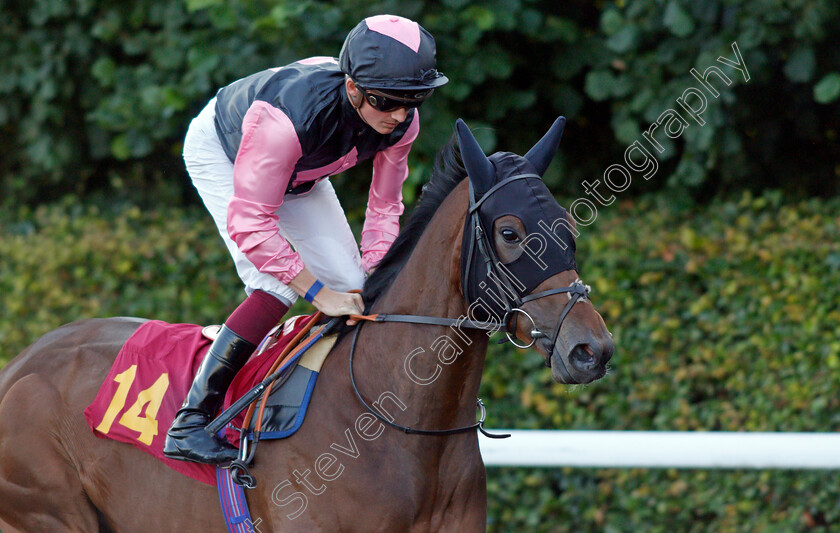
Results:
x,y
382,217
262,170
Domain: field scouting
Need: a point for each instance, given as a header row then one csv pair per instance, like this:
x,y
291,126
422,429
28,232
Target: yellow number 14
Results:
x,y
150,398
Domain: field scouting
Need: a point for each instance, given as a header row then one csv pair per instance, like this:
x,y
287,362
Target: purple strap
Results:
x,y
234,505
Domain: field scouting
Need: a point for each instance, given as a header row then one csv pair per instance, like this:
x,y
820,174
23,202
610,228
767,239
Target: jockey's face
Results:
x,y
383,122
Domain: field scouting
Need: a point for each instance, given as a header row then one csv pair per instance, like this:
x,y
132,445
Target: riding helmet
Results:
x,y
391,52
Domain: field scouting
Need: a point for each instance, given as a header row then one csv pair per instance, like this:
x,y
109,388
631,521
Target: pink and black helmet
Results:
x,y
391,53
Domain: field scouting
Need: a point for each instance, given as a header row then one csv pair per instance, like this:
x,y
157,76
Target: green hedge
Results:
x,y
725,318
65,262
97,95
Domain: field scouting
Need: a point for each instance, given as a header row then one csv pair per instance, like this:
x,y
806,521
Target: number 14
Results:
x,y
146,425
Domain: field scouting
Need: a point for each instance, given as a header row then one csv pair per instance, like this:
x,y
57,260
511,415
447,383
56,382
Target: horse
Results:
x,y
491,252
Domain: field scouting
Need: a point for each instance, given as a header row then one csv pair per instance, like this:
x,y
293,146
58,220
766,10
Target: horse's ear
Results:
x,y
543,152
479,168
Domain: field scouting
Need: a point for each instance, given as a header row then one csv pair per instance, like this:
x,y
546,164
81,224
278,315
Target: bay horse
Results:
x,y
493,250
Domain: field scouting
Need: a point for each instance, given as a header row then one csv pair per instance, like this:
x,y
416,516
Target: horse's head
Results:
x,y
518,260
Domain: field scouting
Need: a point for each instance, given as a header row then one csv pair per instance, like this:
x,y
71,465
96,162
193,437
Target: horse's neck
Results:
x,y
435,372
424,472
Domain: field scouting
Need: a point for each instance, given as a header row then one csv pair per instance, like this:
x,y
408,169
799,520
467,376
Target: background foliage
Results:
x,y
725,318
96,96
718,276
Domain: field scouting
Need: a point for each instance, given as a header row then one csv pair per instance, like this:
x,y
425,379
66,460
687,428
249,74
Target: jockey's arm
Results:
x,y
382,217
270,147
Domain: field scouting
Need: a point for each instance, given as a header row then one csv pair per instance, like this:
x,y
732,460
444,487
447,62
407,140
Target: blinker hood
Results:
x,y
509,184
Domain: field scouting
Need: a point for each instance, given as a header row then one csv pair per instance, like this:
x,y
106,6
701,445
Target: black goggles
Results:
x,y
395,100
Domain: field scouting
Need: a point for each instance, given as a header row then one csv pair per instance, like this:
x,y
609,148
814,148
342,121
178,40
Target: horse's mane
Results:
x,y
448,172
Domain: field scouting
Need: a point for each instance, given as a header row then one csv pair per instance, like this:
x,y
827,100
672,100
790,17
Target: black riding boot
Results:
x,y
186,440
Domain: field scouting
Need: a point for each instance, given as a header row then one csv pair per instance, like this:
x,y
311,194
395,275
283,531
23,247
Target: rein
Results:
x,y
576,291
416,320
429,320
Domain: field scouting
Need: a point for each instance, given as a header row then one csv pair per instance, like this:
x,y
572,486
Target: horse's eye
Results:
x,y
509,235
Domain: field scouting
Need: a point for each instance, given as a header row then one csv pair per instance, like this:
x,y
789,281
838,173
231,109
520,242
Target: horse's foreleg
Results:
x,y
40,489
466,512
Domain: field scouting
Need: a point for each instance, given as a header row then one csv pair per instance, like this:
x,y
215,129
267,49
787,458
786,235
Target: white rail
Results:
x,y
663,449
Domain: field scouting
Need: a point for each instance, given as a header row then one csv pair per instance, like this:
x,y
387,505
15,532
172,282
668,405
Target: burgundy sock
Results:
x,y
255,317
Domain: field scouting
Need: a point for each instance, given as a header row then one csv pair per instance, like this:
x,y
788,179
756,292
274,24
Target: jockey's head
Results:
x,y
391,61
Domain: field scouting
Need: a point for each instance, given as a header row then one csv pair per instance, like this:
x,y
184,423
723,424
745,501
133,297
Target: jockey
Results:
x,y
260,154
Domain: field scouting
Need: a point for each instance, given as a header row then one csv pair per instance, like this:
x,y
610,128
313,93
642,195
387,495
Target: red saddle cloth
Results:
x,y
150,378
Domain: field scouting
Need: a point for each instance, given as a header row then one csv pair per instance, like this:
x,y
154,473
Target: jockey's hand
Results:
x,y
328,301
333,303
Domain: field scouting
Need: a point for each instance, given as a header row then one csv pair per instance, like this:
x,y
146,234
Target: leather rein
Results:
x,y
479,241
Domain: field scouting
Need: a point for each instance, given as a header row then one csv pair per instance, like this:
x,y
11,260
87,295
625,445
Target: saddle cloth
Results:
x,y
154,370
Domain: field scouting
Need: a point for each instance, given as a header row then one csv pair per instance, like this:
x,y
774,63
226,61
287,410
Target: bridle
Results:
x,y
512,300
479,242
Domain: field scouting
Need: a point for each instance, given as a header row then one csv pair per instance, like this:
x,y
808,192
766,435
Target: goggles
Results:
x,y
395,99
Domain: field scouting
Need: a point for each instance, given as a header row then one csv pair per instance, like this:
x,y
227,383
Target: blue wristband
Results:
x,y
313,291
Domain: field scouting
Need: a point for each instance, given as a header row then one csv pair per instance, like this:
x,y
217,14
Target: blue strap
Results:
x,y
234,505
313,291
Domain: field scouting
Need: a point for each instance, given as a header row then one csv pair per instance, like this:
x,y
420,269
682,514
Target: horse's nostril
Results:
x,y
583,358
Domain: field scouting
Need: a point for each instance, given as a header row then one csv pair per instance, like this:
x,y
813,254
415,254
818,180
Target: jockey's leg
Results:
x,y
187,440
212,174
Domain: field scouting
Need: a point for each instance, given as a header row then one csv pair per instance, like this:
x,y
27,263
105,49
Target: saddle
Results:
x,y
153,371
295,355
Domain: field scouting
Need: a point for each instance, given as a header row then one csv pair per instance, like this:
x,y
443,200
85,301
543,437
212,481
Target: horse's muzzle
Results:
x,y
583,363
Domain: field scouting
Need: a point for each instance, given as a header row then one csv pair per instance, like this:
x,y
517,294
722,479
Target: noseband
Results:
x,y
479,242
